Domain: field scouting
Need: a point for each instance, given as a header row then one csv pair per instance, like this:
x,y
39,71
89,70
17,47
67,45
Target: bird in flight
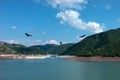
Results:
x,y
28,35
82,36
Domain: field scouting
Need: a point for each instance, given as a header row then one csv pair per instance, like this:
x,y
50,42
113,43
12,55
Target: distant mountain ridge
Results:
x,y
45,47
101,44
6,48
54,49
59,49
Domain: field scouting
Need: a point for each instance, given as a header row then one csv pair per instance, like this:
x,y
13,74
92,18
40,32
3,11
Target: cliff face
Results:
x,y
102,44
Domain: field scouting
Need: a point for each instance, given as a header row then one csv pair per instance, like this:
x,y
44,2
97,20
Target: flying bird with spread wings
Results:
x,y
82,36
28,35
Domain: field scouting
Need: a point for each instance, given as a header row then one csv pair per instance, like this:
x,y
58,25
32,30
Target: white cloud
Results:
x,y
52,42
31,42
13,27
67,4
11,41
71,17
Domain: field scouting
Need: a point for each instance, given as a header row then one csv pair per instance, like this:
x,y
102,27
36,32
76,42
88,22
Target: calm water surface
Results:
x,y
58,69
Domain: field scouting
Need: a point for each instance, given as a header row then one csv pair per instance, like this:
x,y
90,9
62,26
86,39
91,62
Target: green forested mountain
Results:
x,y
59,49
9,48
54,49
45,47
6,48
30,50
102,44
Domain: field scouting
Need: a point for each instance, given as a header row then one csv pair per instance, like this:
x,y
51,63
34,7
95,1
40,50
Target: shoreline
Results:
x,y
84,59
96,58
14,56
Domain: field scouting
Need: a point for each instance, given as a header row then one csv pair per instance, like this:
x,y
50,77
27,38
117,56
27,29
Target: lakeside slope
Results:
x,y
105,44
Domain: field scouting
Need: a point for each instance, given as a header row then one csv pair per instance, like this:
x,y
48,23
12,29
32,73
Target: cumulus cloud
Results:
x,y
71,17
67,4
13,27
52,42
69,14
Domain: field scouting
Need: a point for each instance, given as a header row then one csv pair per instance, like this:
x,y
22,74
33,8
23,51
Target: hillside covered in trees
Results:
x,y
6,48
101,44
59,49
54,49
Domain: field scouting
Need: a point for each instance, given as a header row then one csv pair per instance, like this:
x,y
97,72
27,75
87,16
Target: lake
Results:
x,y
58,69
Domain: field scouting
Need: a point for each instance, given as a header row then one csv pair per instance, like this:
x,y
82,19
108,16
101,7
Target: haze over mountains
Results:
x,y
101,44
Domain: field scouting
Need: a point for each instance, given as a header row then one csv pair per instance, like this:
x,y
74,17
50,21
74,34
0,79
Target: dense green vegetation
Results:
x,y
59,49
45,47
102,44
30,50
54,49
6,48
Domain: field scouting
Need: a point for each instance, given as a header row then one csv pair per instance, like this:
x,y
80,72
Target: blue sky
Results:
x,y
52,21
